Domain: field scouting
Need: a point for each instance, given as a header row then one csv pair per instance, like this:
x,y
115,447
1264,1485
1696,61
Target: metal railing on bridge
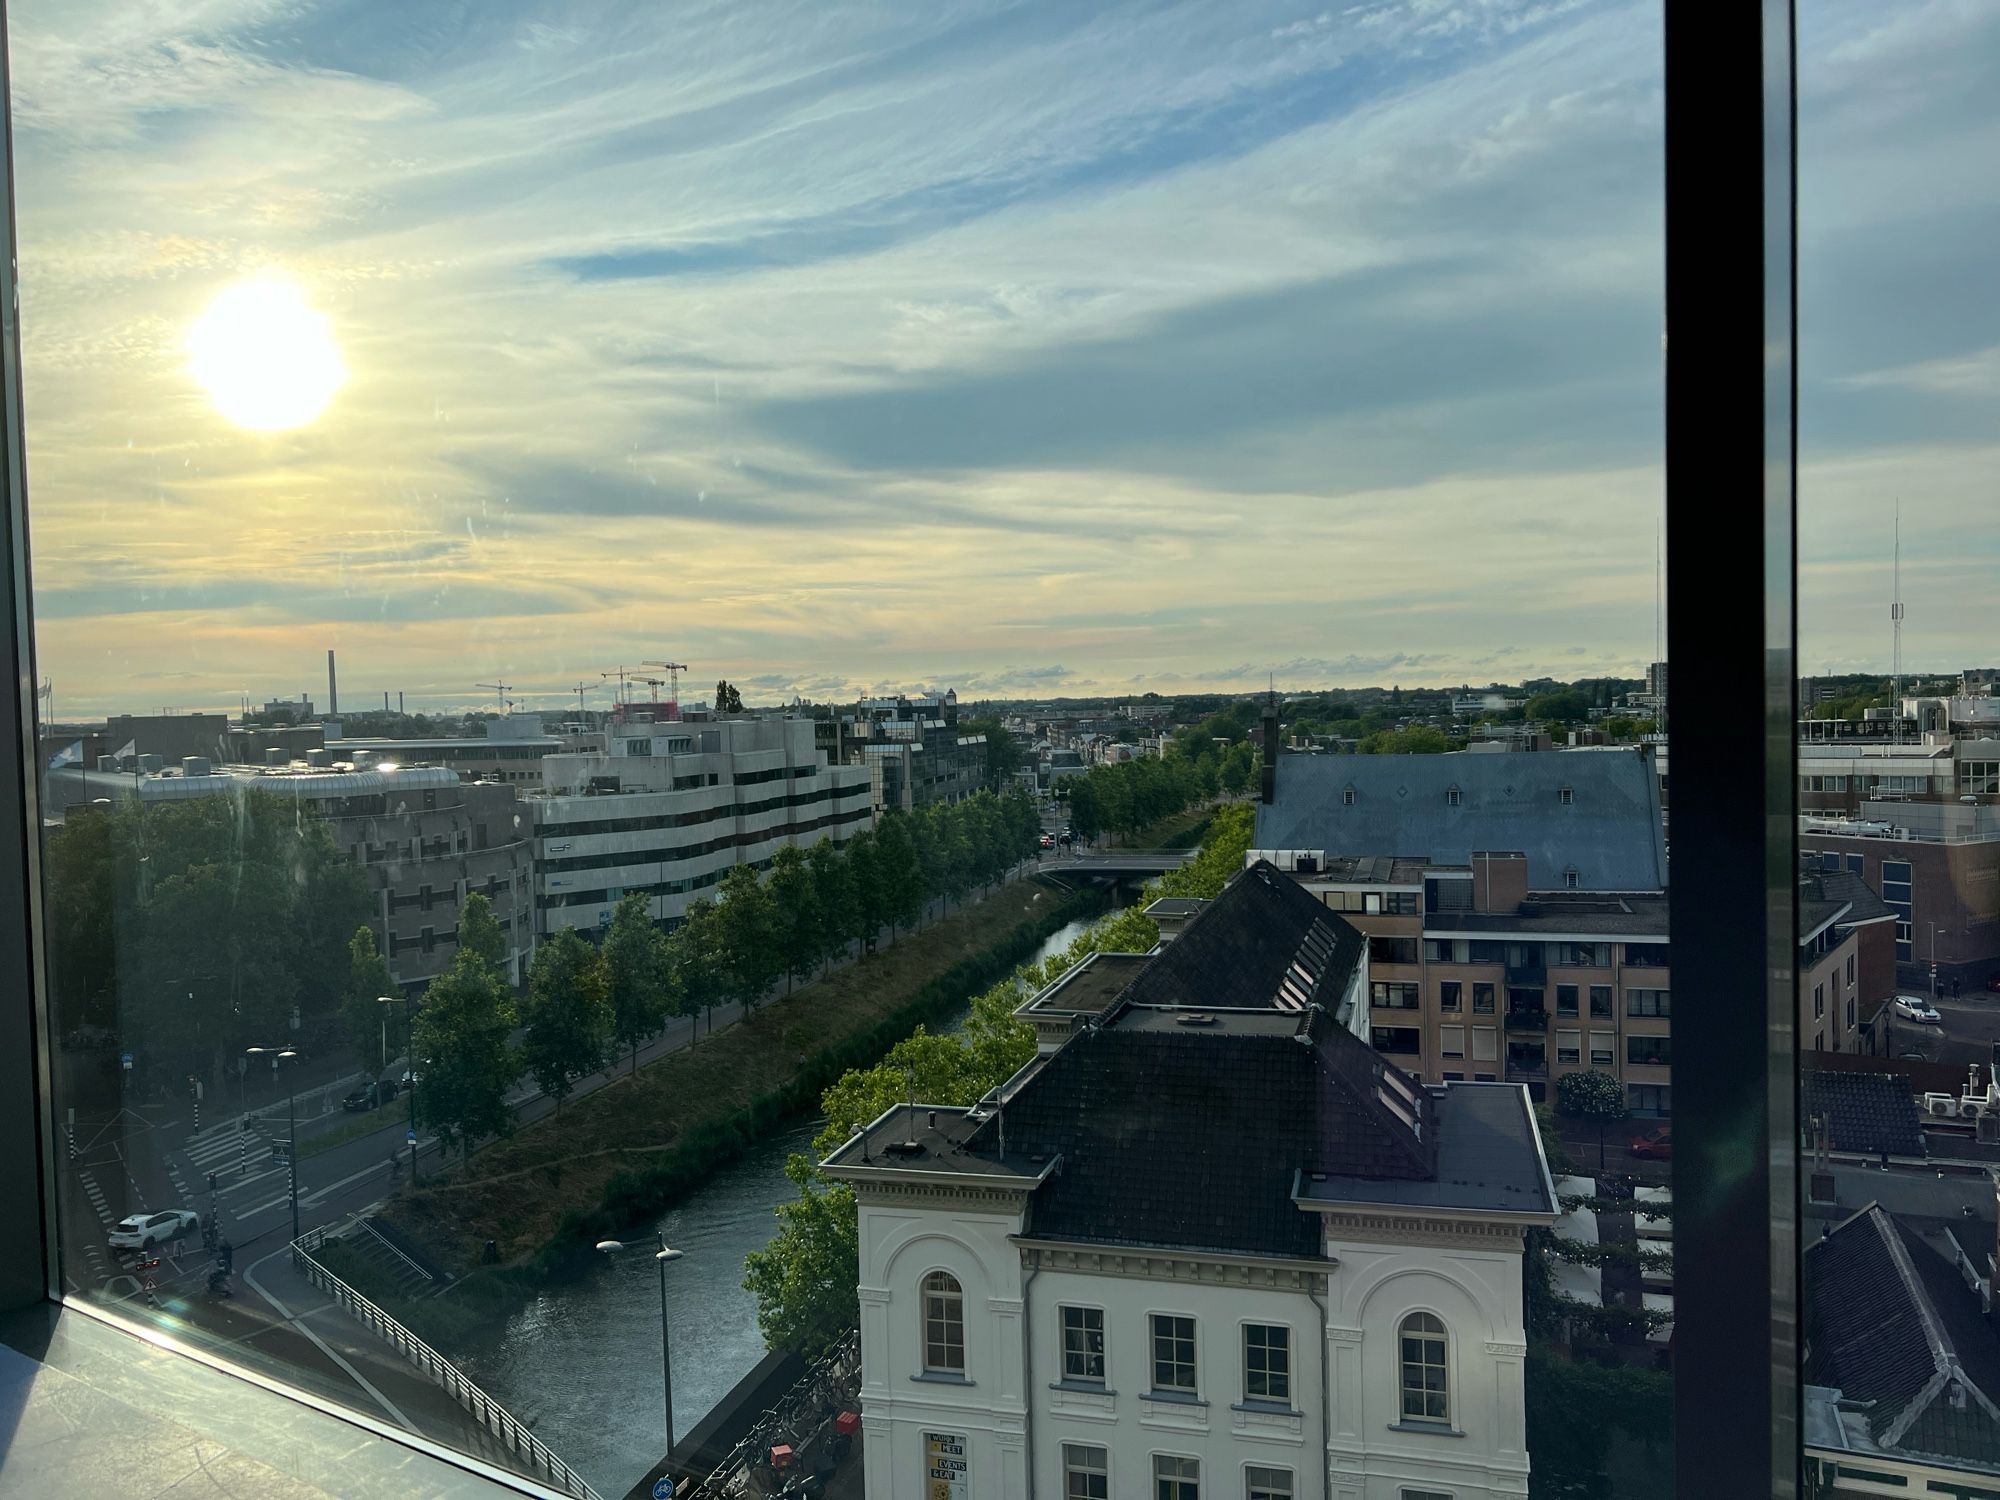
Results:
x,y
505,1428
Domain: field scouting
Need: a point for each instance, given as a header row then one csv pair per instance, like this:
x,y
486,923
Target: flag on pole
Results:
x,y
73,756
128,749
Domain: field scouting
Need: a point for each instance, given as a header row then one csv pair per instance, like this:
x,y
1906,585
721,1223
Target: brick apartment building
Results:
x,y
1515,907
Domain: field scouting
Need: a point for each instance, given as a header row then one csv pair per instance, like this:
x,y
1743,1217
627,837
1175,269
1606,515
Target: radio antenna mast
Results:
x,y
1896,629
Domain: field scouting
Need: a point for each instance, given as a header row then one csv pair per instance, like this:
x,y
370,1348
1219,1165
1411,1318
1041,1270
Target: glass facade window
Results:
x,y
1566,999
1083,1344
1267,1362
1426,1395
1173,1353
1450,992
1086,1472
1261,1482
1176,1478
944,1324
1649,1051
1482,999
1648,1003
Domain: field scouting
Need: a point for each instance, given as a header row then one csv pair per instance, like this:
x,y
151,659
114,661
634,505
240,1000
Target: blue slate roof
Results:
x,y
1609,831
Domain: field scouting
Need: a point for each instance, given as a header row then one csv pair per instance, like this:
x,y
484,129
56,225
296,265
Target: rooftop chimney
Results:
x,y
332,689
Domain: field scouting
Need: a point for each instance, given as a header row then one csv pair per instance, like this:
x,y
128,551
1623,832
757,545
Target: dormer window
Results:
x,y
1347,796
1451,798
1570,878
1567,796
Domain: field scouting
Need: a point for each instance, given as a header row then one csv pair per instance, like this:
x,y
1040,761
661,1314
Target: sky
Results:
x,y
1025,348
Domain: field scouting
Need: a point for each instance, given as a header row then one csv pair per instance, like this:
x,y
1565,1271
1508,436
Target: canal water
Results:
x,y
582,1364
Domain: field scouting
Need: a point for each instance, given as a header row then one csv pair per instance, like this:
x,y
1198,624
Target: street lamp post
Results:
x,y
662,1256
278,1055
415,1077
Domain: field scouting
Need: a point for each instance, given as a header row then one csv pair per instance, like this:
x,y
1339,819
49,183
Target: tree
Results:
x,y
1418,739
568,1014
795,899
727,699
1591,1095
1566,706
640,977
480,933
367,980
749,936
870,887
459,1046
901,874
833,889
1086,809
805,1279
696,949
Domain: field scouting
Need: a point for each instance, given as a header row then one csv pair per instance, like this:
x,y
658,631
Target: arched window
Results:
x,y
944,1324
1426,1395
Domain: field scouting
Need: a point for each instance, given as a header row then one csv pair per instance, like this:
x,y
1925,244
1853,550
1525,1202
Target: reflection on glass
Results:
x,y
803,511
1899,940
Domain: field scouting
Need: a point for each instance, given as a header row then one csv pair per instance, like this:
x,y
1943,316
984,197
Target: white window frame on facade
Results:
x,y
1284,1396
1176,1476
1269,1482
950,1303
1441,1336
1081,1463
1076,1361
1193,1387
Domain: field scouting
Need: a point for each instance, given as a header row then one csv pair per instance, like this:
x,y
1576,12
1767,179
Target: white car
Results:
x,y
1910,1008
143,1231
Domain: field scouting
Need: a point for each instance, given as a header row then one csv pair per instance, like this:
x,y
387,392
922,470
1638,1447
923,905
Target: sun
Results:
x,y
266,358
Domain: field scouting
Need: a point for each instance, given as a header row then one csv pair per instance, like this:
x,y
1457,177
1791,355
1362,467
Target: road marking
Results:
x,y
250,1276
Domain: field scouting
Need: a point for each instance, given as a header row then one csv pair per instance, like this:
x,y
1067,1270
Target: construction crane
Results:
x,y
582,713
503,689
673,669
621,673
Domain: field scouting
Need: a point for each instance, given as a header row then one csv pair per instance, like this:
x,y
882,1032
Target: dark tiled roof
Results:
x,y
1487,1157
1610,832
1889,1324
1264,943
1871,1112
1197,1135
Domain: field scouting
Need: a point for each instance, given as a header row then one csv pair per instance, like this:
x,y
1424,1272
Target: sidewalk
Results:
x,y
293,1321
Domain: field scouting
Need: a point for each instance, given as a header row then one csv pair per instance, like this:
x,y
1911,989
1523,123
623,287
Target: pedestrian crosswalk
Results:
x,y
250,1175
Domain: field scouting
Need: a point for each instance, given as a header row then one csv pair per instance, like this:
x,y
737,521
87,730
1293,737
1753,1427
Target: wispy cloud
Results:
x,y
1007,345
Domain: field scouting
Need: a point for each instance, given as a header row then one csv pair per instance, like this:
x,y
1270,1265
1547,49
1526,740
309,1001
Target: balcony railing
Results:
x,y
1527,1020
1530,975
1526,1065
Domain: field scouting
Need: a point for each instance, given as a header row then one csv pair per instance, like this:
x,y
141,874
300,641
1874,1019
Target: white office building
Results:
x,y
669,808
1210,1245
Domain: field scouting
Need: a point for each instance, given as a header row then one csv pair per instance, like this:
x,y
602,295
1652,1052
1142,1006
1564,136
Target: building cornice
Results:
x,y
1422,1227
1216,1269
938,1191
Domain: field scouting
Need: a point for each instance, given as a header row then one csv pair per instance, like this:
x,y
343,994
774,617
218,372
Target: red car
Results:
x,y
1993,983
1655,1143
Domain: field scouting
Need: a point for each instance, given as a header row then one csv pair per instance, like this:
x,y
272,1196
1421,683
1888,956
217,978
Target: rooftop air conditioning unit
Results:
x,y
1306,864
1941,1106
1971,1108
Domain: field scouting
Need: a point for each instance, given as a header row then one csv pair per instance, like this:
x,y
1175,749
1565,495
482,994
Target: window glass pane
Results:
x,y
1899,731
803,512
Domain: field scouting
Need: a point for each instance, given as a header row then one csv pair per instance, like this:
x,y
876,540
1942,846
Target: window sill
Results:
x,y
1082,1387
939,1377
1427,1429
1175,1398
1267,1408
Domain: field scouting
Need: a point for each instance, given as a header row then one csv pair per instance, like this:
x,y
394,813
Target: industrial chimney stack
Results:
x,y
332,688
